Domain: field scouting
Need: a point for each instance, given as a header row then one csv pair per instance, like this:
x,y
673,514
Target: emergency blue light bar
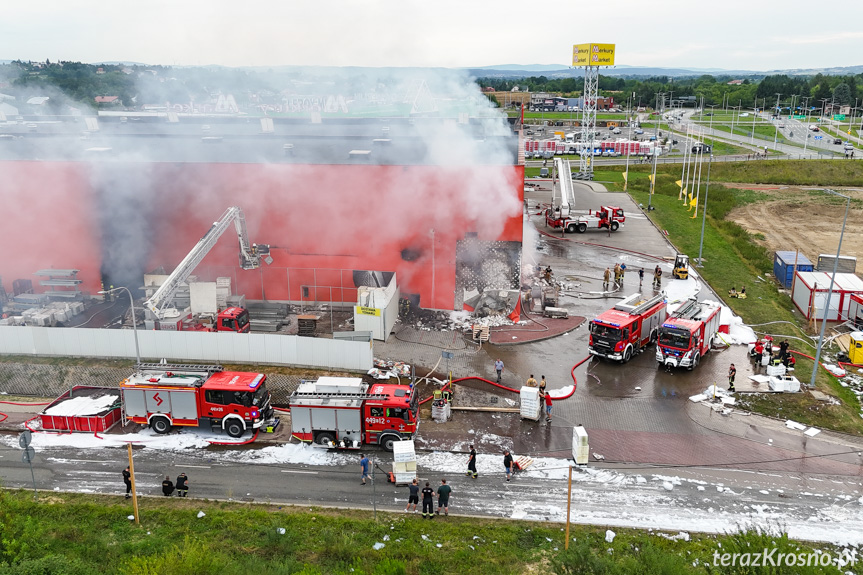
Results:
x,y
257,381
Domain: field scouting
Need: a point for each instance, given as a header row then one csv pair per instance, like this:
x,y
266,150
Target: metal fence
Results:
x,y
255,348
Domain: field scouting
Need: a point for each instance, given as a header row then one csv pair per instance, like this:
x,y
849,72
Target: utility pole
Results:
x,y
775,127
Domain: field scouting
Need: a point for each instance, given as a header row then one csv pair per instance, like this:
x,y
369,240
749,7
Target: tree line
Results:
x,y
716,90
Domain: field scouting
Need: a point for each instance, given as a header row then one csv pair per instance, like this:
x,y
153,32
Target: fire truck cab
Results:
x,y
164,395
346,412
627,328
687,335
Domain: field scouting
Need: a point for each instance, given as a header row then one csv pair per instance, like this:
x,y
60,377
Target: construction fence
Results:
x,y
210,347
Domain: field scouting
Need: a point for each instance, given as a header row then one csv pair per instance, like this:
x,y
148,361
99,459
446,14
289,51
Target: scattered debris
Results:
x,y
280,530
812,432
598,457
378,546
794,425
609,535
201,514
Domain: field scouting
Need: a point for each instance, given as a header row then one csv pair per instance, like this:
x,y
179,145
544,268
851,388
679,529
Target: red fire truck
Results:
x,y
346,412
234,319
165,395
687,335
627,328
603,218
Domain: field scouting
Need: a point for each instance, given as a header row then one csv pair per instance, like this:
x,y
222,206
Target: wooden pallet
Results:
x,y
523,462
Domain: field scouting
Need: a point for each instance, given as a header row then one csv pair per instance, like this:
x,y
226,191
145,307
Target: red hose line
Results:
x,y
26,403
254,437
567,396
5,417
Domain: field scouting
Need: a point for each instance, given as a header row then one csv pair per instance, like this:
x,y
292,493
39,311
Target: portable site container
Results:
x,y
855,311
85,409
847,264
809,293
786,263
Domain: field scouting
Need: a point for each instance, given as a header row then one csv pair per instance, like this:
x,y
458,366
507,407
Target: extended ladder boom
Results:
x,y
250,258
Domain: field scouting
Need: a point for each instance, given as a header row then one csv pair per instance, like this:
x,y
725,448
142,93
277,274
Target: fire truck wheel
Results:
x,y
160,425
387,441
694,363
614,226
325,438
234,428
571,228
582,228
627,354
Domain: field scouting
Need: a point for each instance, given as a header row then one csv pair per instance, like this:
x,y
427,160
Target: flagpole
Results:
x,y
704,210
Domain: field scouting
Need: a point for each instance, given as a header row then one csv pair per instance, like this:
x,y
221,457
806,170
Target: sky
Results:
x,y
734,34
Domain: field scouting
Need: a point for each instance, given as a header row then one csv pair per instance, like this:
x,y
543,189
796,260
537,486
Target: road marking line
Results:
x,y
297,471
198,466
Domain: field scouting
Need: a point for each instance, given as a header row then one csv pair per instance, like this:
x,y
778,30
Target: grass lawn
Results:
x,y
78,534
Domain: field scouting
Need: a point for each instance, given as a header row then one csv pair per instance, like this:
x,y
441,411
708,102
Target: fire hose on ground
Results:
x,y
512,390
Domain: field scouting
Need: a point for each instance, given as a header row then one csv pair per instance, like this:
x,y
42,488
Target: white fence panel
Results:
x,y
187,346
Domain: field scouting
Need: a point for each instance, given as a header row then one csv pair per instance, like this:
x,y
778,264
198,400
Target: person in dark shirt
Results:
x,y
364,463
732,371
428,503
507,463
443,497
182,485
127,479
471,463
167,486
414,496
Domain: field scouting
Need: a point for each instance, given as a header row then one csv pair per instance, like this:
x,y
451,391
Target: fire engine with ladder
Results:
x,y
236,319
627,328
561,216
165,395
346,412
687,335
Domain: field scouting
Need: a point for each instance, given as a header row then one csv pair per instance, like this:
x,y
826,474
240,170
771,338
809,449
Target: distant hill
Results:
x,y
563,71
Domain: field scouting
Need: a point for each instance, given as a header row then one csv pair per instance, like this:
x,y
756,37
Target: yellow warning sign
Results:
x,y
367,310
593,55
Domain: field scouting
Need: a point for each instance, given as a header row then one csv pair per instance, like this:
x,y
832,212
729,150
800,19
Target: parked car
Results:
x,y
638,131
701,149
849,146
837,141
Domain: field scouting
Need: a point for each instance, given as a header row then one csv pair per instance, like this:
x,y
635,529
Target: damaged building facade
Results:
x,y
437,201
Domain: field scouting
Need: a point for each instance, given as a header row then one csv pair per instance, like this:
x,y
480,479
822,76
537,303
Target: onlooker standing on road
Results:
x,y
364,463
414,496
531,382
507,463
443,497
732,371
428,503
182,485
498,367
167,487
640,277
548,408
127,480
471,463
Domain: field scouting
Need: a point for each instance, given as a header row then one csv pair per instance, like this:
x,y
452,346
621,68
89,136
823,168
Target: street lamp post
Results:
x,y
134,319
704,210
807,132
775,127
830,289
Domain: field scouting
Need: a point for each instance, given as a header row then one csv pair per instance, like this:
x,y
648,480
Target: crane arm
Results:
x,y
249,258
567,196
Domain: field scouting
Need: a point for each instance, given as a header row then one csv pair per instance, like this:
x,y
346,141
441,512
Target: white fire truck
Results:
x,y
687,335
561,215
165,395
346,412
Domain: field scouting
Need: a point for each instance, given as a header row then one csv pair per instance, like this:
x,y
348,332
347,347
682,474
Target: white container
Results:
x,y
775,370
581,455
579,436
529,403
404,451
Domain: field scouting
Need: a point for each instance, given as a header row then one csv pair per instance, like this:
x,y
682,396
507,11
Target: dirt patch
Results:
x,y
802,218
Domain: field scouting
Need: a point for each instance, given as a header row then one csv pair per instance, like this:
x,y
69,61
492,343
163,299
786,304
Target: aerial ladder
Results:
x,y
159,304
